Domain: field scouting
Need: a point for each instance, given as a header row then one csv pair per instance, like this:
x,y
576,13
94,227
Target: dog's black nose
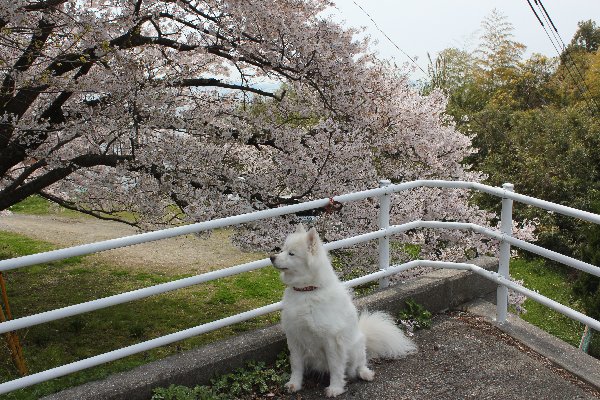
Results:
x,y
272,257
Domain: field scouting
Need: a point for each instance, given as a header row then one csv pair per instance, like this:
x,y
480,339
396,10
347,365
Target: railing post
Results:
x,y
384,223
506,224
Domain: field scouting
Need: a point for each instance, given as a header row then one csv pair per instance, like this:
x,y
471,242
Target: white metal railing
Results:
x,y
383,193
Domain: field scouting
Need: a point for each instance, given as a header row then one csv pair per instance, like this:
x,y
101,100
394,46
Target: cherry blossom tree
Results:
x,y
161,112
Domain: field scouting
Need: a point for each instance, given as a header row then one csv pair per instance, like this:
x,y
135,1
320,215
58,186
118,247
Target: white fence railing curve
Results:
x,y
383,193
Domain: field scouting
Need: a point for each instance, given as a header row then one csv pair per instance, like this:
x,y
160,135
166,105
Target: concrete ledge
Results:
x,y
570,358
437,291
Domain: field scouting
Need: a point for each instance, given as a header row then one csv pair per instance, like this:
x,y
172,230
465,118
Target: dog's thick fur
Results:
x,y
323,329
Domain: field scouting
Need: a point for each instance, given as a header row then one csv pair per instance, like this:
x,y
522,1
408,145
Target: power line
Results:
x,y
539,3
558,38
535,13
557,42
564,47
387,37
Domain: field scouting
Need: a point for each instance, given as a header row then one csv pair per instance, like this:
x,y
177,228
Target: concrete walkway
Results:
x,y
463,357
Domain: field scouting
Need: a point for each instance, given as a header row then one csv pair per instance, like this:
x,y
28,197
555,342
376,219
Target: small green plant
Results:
x,y
175,392
248,382
255,378
415,316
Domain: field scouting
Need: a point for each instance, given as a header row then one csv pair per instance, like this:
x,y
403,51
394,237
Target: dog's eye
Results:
x,y
290,253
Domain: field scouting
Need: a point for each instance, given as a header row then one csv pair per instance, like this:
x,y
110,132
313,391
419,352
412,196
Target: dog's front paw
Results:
x,y
366,374
332,391
293,386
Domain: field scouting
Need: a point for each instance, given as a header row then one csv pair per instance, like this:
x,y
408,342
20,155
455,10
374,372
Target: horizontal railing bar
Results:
x,y
93,305
498,192
138,294
556,306
569,211
569,312
552,255
375,276
561,258
448,265
134,349
110,244
365,237
155,235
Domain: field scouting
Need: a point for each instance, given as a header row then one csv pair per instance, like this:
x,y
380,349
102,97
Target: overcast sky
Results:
x,y
419,27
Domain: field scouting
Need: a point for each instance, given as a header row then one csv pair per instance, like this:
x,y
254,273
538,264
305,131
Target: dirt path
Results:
x,y
179,255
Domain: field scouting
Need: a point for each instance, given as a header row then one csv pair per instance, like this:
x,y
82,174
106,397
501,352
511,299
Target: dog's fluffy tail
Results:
x,y
384,339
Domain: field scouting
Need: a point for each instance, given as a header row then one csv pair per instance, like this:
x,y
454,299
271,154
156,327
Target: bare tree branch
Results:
x,y
218,83
43,5
106,216
7,198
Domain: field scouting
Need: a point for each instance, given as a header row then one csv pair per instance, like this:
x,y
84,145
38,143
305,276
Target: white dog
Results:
x,y
323,329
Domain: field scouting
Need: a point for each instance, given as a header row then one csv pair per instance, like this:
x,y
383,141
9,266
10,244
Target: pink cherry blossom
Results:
x,y
178,111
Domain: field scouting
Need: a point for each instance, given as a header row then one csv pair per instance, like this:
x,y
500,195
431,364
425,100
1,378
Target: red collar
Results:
x,y
305,289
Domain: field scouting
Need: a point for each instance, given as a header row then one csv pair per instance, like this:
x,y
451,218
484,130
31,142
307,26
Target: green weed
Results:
x,y
415,316
15,245
256,378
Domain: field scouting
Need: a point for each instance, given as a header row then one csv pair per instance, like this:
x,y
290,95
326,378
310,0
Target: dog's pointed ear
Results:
x,y
313,240
300,229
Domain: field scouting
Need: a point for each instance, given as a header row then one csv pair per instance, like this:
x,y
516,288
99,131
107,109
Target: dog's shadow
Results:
x,y
315,381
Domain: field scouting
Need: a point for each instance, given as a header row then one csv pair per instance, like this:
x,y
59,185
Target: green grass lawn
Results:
x,y
37,205
58,284
554,283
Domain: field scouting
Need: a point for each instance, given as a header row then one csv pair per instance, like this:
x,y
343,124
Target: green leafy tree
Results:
x,y
450,70
498,54
534,121
577,60
587,37
532,85
592,77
